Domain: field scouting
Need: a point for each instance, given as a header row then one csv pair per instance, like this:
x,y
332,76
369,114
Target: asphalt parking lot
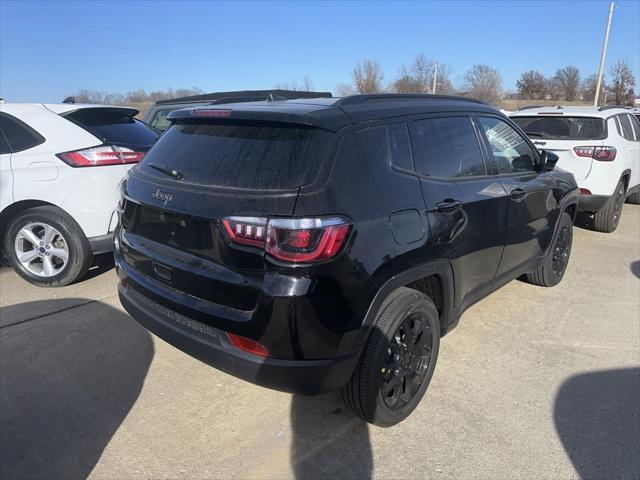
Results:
x,y
534,383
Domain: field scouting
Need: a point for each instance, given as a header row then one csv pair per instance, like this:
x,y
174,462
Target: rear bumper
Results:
x,y
592,203
101,244
211,346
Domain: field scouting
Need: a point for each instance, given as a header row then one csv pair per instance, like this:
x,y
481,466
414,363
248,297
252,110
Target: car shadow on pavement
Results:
x,y
597,416
635,268
328,442
67,381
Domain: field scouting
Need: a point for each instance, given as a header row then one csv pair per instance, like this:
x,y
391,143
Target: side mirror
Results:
x,y
548,161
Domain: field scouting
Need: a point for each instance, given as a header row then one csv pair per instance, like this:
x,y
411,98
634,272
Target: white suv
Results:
x,y
600,146
60,166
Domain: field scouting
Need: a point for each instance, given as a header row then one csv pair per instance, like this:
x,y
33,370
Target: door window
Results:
x,y
449,148
627,129
511,151
635,126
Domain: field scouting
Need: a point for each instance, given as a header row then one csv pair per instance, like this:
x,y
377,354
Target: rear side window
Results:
x,y
562,128
114,125
261,157
511,152
160,121
449,148
387,144
19,135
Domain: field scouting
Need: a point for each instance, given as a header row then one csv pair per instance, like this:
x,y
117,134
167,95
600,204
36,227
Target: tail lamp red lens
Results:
x,y
248,345
100,156
603,154
299,240
585,191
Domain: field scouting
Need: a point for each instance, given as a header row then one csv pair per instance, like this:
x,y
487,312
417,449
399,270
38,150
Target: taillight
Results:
x,y
585,191
248,345
603,154
305,240
100,156
210,113
246,230
298,240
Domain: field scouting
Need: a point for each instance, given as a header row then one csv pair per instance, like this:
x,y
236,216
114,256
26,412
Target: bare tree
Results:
x,y
415,78
484,83
345,89
589,86
135,96
367,77
566,83
532,85
444,83
306,86
622,83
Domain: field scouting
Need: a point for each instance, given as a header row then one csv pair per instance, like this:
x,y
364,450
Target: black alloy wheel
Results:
x,y
407,362
561,251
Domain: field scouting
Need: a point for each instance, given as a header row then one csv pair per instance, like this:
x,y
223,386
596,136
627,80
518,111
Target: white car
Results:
x,y
600,146
60,166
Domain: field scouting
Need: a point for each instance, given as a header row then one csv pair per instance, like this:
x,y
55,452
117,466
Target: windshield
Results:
x,y
234,156
562,128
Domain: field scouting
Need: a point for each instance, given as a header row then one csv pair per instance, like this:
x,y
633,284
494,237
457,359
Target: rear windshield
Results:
x,y
244,156
115,126
562,128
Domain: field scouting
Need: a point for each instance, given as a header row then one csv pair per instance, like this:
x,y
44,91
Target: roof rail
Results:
x,y
609,107
247,95
528,107
358,99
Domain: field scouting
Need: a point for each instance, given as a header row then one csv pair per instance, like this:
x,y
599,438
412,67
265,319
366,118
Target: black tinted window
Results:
x,y
449,148
387,144
562,128
237,156
19,135
400,146
4,146
510,150
114,125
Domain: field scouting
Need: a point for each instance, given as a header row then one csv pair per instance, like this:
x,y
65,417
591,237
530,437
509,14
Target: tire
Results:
x,y
634,198
555,263
606,220
363,395
44,264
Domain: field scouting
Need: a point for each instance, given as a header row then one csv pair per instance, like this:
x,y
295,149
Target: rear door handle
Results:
x,y
518,194
448,205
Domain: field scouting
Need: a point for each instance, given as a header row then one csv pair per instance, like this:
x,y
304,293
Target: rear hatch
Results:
x,y
561,134
198,173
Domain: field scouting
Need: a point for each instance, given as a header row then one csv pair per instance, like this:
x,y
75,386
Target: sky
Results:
x,y
50,49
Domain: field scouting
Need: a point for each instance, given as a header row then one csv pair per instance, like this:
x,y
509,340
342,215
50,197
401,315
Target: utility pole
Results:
x,y
435,78
604,54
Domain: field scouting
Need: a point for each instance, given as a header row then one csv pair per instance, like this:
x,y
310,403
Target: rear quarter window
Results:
x,y
562,128
114,126
19,135
243,156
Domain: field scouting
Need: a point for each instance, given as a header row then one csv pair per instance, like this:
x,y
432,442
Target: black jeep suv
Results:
x,y
318,244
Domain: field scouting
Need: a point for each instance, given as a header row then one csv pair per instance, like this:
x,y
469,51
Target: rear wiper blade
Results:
x,y
167,171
